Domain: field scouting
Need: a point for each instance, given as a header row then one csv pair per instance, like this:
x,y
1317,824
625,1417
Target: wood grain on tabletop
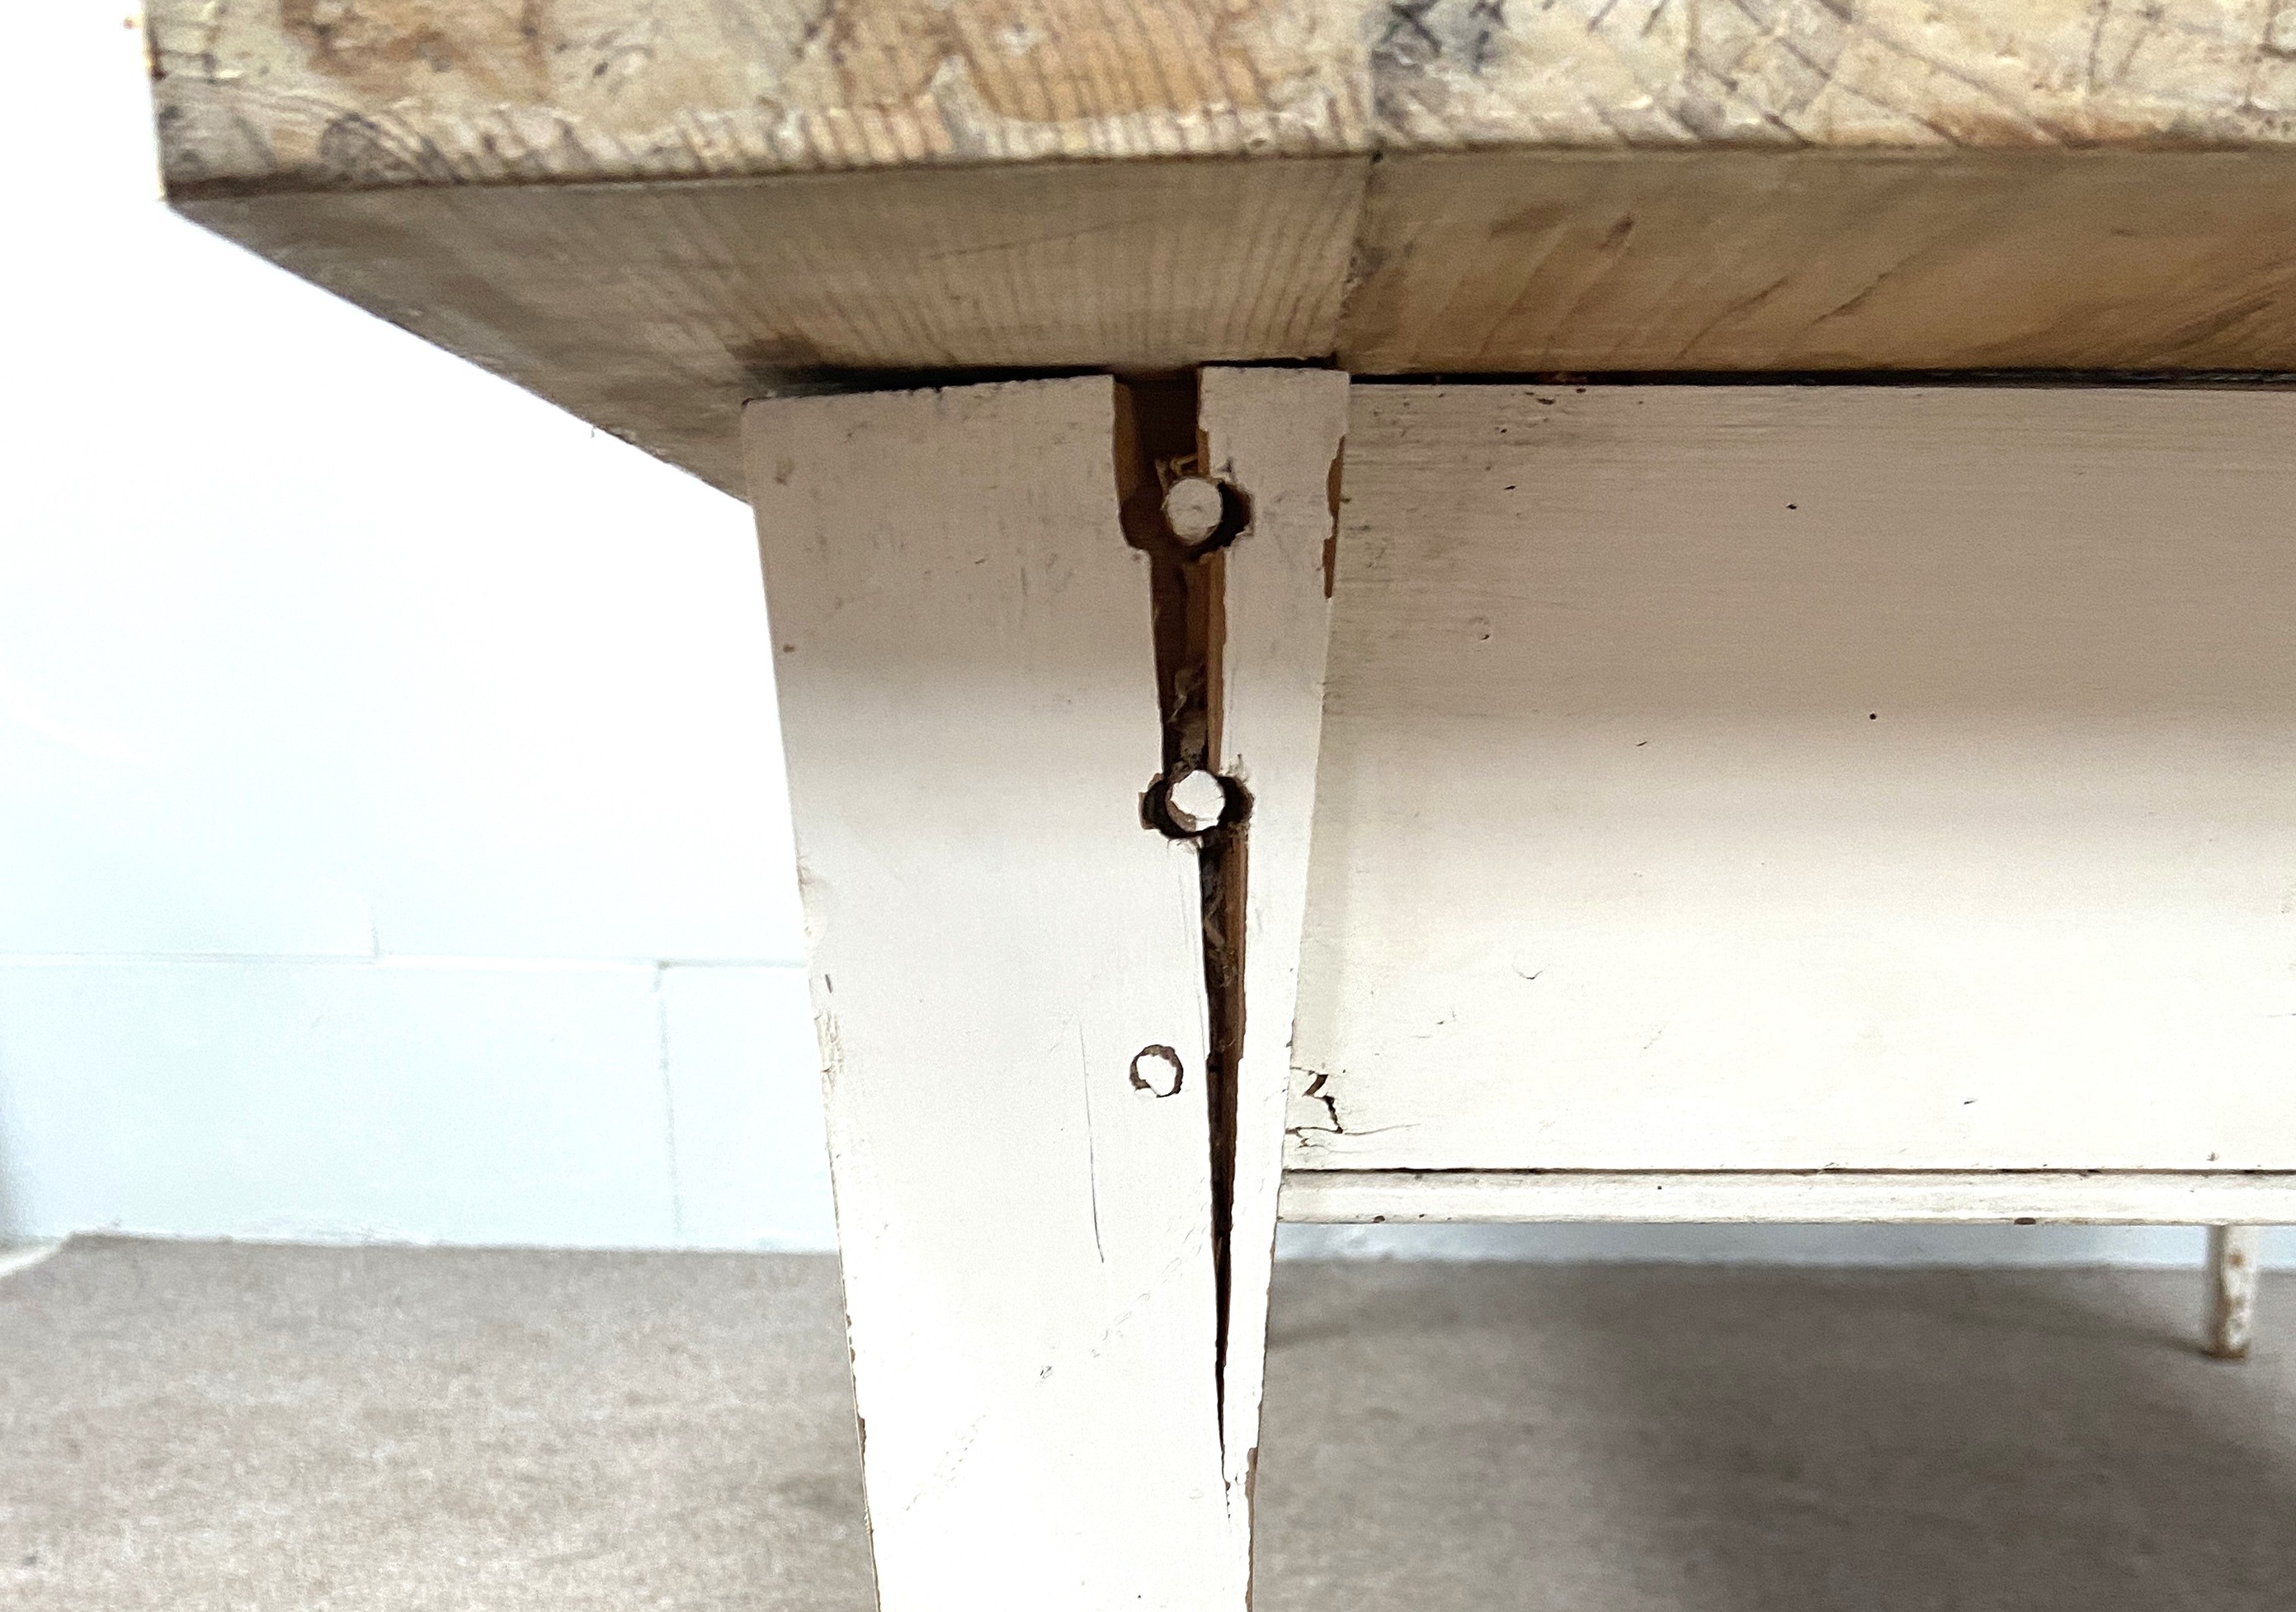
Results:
x,y
312,94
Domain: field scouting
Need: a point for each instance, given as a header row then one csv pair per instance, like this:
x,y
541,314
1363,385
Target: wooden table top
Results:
x,y
647,213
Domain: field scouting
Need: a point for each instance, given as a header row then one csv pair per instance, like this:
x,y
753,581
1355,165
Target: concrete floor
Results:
x,y
205,1426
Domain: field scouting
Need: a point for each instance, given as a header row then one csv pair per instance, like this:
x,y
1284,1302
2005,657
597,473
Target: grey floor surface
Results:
x,y
209,1426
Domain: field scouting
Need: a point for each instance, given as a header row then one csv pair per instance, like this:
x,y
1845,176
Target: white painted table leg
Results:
x,y
1012,980
2235,1258
1277,433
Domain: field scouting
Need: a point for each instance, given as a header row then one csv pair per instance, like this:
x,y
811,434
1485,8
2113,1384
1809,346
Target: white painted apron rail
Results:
x,y
1788,1197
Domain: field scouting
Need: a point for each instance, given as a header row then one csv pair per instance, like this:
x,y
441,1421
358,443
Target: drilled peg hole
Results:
x,y
1192,509
1193,803
1156,1070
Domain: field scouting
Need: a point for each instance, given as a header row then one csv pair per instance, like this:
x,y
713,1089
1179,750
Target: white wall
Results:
x,y
392,836
392,840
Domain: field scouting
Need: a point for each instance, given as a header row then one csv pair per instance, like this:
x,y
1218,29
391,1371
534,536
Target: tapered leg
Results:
x,y
1033,796
2234,1259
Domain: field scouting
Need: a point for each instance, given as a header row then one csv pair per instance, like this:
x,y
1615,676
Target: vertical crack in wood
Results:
x,y
1159,441
1222,859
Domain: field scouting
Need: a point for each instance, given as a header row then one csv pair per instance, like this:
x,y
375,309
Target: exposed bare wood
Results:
x,y
1008,980
653,310
648,213
1790,73
2235,1271
1826,260
1806,778
304,95
1705,1196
